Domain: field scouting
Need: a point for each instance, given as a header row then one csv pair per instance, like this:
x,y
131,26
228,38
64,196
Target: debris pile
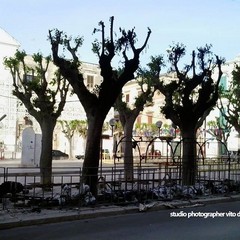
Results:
x,y
68,195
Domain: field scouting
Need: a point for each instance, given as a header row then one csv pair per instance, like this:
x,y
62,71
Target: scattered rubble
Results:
x,y
69,196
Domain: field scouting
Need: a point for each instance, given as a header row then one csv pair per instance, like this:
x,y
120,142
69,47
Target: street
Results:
x,y
214,221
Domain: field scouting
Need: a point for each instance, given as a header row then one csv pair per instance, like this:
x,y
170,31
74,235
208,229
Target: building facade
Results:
x,y
8,106
15,117
152,114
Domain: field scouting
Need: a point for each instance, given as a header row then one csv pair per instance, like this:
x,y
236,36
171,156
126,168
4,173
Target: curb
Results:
x,y
111,211
68,217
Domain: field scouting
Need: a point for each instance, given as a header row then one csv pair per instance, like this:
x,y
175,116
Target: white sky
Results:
x,y
191,22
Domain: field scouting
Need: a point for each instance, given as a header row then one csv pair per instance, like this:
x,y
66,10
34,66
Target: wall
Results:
x,y
8,46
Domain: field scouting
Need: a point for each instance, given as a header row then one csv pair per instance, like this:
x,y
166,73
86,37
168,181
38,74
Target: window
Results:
x,y
150,119
28,77
139,120
127,98
223,82
90,81
222,119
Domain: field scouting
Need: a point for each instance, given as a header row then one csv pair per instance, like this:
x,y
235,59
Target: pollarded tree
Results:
x,y
82,128
127,117
97,104
69,128
129,113
231,110
39,95
189,99
220,129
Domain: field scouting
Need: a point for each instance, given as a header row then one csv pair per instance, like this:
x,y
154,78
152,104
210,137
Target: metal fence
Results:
x,y
158,180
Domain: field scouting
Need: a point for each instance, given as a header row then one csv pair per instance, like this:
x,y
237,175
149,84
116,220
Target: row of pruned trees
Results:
x,y
188,99
69,128
79,127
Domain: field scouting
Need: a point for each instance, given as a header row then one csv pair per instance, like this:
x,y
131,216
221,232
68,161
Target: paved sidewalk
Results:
x,y
17,217
10,162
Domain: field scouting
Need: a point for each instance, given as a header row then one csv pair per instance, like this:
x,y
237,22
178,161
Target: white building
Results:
x,y
227,68
15,121
12,125
151,114
73,110
8,106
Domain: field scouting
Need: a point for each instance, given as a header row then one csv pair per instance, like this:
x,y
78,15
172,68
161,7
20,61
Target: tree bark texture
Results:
x,y
128,151
189,166
47,127
92,153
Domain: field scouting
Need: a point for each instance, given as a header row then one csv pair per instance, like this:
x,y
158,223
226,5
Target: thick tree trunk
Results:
x,y
47,127
128,152
92,153
189,157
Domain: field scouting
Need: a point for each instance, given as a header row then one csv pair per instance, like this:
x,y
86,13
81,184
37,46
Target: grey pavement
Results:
x,y
11,217
17,217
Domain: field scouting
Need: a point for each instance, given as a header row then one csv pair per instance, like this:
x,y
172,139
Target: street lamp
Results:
x,y
159,125
174,126
112,123
167,138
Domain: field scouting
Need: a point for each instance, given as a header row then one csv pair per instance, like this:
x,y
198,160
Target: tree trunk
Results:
x,y
128,152
189,157
47,127
92,153
70,147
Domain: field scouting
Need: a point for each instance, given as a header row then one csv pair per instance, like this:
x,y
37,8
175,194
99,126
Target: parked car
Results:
x,y
79,157
58,155
105,154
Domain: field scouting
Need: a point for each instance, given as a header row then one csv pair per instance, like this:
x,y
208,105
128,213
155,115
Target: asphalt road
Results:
x,y
214,221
